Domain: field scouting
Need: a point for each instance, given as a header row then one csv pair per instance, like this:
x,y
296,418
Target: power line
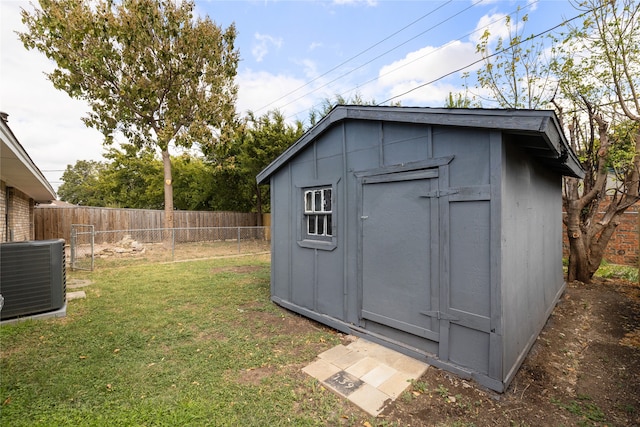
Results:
x,y
566,21
383,54
416,59
351,59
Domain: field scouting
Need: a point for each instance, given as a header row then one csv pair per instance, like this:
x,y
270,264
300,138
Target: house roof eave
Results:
x,y
19,171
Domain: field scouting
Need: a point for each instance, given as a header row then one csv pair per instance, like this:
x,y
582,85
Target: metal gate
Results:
x,y
82,247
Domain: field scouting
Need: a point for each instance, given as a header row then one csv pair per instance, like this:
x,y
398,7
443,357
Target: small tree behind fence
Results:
x,y
55,222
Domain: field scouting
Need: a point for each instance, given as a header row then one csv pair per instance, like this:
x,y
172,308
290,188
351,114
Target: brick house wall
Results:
x,y
17,214
623,246
3,212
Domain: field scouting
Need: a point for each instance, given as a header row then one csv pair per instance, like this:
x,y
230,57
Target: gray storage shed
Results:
x,y
436,232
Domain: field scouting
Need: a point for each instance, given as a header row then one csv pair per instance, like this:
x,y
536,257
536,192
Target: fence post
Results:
x,y
173,244
93,235
75,243
73,247
238,239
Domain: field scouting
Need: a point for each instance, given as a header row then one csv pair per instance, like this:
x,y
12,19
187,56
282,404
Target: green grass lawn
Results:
x,y
194,343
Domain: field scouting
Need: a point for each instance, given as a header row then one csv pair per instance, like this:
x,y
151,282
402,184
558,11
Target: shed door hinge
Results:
x,y
440,315
441,193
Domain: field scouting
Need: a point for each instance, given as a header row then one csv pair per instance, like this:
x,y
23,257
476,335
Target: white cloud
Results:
x,y
315,45
258,89
488,2
355,2
46,121
422,77
431,96
425,65
262,45
309,68
261,91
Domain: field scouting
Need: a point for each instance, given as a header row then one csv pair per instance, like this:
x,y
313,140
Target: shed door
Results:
x,y
399,253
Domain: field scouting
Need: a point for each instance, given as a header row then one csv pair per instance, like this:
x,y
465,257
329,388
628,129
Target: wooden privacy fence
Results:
x,y
55,223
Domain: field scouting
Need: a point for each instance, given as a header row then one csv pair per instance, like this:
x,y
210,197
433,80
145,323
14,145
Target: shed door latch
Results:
x,y
440,315
441,193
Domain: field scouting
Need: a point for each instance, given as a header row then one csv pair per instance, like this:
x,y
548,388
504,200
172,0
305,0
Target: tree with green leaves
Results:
x,y
132,178
260,141
596,77
514,67
327,104
149,69
598,83
460,100
203,186
81,183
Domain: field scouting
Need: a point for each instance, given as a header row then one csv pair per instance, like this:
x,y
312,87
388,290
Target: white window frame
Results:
x,y
327,239
318,204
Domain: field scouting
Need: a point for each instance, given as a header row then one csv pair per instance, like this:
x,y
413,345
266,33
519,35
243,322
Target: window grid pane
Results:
x,y
312,224
317,208
308,204
326,206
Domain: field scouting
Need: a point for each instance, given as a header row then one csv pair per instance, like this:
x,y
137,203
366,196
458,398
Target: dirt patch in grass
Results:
x,y
239,269
294,324
584,370
254,376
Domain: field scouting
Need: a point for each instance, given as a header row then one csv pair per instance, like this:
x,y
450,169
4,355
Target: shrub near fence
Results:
x,y
55,222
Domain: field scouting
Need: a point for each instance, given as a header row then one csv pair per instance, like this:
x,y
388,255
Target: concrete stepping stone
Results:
x,y
365,373
78,283
76,295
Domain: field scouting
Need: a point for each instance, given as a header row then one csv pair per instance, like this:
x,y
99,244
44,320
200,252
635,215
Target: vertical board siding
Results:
x,y
55,223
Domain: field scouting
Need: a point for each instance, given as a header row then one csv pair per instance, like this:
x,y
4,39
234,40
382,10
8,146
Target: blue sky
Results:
x,y
294,55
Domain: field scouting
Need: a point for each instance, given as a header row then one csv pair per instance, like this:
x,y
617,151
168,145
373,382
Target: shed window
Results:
x,y
317,212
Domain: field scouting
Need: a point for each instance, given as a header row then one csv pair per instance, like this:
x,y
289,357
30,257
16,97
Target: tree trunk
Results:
x,y
579,254
168,190
589,234
585,250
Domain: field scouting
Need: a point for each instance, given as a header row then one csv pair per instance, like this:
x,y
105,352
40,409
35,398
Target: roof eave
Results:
x,y
541,123
566,158
335,115
19,171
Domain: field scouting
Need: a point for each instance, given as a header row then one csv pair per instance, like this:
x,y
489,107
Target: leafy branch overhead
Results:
x,y
518,78
146,68
149,69
591,75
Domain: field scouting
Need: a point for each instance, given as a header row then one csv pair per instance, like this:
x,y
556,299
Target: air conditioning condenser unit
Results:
x,y
32,277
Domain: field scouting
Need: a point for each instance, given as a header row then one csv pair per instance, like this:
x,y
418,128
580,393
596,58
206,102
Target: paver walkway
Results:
x,y
368,374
